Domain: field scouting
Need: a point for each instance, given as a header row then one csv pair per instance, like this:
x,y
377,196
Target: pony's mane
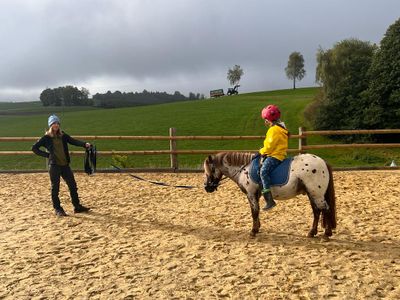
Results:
x,y
234,158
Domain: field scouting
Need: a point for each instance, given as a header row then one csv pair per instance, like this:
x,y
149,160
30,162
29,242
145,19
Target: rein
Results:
x,y
156,182
233,176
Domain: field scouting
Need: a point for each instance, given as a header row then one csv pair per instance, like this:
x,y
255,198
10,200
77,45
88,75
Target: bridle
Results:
x,y
213,182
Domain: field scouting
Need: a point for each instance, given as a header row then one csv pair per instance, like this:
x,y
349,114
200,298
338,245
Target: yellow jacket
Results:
x,y
275,143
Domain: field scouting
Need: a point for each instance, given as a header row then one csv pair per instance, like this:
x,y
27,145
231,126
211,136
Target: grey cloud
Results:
x,y
169,43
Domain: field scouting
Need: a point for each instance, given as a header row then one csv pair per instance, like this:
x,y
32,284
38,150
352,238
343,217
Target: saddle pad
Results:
x,y
279,176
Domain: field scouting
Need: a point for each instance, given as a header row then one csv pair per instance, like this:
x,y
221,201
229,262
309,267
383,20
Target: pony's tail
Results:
x,y
330,216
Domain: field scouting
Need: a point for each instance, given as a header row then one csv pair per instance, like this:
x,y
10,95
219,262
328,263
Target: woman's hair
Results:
x,y
50,132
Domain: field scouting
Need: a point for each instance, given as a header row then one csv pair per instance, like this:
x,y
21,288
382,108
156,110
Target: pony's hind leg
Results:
x,y
328,227
320,203
325,217
329,216
314,229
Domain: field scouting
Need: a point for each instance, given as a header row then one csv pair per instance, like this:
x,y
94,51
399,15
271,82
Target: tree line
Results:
x,y
122,99
360,86
72,96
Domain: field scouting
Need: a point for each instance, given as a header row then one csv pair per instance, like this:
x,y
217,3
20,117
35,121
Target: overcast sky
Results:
x,y
173,45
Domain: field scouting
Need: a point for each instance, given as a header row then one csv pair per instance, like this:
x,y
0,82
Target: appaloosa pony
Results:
x,y
308,174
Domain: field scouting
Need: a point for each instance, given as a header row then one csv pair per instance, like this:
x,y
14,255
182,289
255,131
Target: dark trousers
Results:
x,y
65,172
269,164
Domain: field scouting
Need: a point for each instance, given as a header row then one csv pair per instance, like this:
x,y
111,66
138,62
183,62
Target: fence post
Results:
x,y
302,139
172,147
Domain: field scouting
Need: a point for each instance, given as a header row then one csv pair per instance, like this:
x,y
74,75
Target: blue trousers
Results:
x,y
269,164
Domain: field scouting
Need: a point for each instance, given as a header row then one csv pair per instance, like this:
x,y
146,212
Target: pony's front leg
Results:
x,y
255,213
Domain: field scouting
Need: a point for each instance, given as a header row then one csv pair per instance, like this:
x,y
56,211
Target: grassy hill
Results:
x,y
229,115
36,107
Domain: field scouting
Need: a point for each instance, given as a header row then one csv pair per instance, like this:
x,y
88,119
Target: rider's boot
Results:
x,y
269,201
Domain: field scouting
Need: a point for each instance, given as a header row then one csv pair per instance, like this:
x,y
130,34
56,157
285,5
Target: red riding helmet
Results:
x,y
271,113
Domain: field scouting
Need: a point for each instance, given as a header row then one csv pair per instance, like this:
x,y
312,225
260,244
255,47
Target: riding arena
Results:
x,y
146,241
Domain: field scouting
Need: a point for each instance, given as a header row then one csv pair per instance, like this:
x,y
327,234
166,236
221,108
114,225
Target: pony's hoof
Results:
x,y
325,238
253,234
311,235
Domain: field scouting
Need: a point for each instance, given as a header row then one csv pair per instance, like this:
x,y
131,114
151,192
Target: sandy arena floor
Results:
x,y
143,241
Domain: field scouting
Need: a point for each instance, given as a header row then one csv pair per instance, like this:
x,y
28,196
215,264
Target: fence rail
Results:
x,y
350,132
174,152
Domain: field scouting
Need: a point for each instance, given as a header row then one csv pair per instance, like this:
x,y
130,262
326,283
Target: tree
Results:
x,y
295,68
192,96
67,96
234,75
70,95
382,98
58,96
85,92
179,96
46,97
342,72
84,97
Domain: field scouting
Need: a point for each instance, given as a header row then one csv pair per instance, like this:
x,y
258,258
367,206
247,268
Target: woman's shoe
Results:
x,y
81,209
60,212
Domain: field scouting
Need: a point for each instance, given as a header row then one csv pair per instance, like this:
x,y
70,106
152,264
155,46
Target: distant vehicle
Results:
x,y
233,91
217,93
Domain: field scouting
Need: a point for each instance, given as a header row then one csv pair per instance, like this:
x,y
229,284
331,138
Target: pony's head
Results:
x,y
212,174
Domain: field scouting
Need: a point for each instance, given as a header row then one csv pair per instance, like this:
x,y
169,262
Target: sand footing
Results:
x,y
142,241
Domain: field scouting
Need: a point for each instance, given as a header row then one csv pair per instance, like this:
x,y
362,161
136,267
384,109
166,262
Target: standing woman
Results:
x,y
56,142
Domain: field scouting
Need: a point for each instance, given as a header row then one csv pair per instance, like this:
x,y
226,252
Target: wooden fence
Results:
x,y
173,150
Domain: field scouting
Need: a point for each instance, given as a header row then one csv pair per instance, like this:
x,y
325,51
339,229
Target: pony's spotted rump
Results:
x,y
309,174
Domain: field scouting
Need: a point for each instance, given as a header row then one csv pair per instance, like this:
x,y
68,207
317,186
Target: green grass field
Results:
x,y
34,108
229,115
